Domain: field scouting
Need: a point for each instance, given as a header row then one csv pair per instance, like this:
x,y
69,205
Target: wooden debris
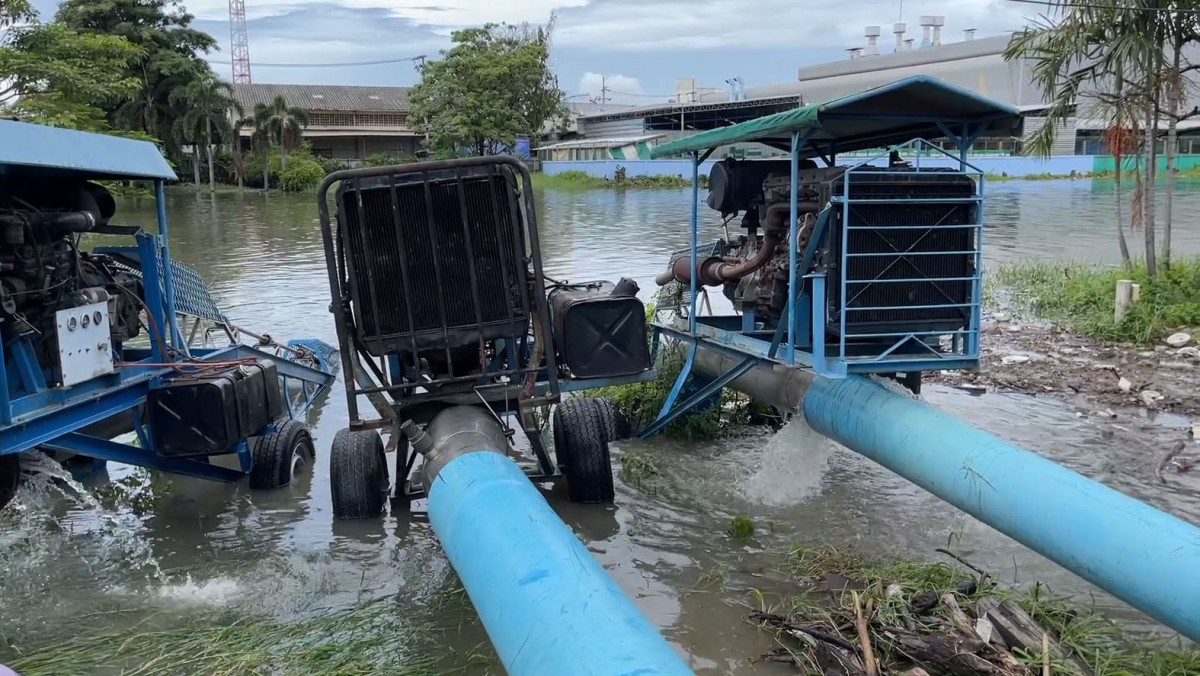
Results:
x,y
947,654
1020,632
864,636
991,652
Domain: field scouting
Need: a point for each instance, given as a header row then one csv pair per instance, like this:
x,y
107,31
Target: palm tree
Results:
x,y
261,140
208,102
239,158
182,134
1113,56
283,125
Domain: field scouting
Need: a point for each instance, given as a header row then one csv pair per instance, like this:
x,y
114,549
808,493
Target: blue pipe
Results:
x,y
1143,556
547,605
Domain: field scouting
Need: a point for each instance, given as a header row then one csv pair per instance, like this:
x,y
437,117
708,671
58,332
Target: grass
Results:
x,y
375,637
1046,176
741,527
892,585
1079,297
568,180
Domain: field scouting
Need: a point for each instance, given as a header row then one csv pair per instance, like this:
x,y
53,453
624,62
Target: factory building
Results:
x,y
976,64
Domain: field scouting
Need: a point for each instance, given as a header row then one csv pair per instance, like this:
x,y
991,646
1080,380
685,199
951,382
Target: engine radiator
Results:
x,y
904,238
436,261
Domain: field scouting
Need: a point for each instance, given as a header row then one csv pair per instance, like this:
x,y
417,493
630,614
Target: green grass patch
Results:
x,y
741,527
1079,297
1047,176
577,180
376,637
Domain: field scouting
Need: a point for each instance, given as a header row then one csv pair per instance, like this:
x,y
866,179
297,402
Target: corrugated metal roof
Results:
x,y
875,118
325,97
52,151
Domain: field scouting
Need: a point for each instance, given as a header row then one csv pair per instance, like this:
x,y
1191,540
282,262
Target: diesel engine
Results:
x,y
880,218
43,270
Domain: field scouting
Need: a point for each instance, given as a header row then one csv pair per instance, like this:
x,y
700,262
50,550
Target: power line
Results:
x,y
346,64
1062,4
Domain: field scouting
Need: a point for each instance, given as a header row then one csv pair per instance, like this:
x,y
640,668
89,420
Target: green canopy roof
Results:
x,y
914,107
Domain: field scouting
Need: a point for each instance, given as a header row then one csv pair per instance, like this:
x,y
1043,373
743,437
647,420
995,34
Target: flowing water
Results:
x,y
154,552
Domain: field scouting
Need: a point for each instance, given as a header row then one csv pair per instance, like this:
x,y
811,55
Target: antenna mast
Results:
x,y
239,44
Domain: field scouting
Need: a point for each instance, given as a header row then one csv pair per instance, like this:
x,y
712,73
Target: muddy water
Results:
x,y
198,549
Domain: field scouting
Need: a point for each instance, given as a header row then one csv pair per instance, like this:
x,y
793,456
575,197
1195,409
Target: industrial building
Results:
x,y
344,122
976,64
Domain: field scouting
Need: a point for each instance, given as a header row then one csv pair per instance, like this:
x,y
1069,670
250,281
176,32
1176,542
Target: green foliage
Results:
x,y
281,125
64,78
171,59
1080,297
330,165
493,86
387,160
575,180
639,470
741,527
302,174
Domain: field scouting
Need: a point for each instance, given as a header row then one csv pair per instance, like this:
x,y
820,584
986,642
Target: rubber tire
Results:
x,y
582,428
616,425
358,475
273,455
10,477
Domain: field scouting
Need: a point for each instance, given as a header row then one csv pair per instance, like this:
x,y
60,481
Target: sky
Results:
x,y
637,48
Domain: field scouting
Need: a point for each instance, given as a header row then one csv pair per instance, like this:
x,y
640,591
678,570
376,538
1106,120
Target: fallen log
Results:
x,y
991,652
947,654
1019,631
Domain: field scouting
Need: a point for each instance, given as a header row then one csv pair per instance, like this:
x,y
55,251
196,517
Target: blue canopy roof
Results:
x,y
34,149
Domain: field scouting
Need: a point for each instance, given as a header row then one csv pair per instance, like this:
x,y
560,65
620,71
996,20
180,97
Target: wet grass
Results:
x,y
577,180
834,580
1079,297
377,637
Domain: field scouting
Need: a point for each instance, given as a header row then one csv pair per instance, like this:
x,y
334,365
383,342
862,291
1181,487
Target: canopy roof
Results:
x,y
914,107
35,149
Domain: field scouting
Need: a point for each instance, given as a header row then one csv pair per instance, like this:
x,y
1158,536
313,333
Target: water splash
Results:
x,y
792,466
117,533
218,591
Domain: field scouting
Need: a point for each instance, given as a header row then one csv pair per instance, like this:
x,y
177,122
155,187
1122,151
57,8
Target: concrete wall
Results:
x,y
350,147
1003,164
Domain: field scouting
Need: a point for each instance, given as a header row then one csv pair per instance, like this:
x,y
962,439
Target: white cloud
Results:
x,y
437,14
793,27
615,88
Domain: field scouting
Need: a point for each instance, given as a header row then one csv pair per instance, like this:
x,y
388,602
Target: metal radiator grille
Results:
x,y
435,263
906,264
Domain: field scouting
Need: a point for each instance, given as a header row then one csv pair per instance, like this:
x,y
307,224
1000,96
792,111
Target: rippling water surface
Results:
x,y
206,546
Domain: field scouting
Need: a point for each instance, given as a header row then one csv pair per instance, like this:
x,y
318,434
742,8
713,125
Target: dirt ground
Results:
x,y
1039,359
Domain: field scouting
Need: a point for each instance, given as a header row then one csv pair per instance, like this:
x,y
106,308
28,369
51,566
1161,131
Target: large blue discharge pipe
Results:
x,y
1144,556
548,606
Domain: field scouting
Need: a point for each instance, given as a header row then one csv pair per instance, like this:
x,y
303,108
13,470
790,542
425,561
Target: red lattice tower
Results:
x,y
239,44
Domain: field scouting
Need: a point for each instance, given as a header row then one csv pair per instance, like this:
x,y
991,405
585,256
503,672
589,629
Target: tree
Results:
x,y
59,77
1119,62
282,124
208,102
492,87
170,59
260,138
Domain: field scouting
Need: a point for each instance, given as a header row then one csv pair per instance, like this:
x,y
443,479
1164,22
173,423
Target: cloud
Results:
x,y
793,27
439,15
615,88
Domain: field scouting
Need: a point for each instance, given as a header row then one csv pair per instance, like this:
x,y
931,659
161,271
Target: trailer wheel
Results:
x,y
582,428
358,474
279,456
616,425
10,477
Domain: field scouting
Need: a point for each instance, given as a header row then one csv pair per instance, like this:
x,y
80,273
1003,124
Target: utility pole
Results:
x,y
604,90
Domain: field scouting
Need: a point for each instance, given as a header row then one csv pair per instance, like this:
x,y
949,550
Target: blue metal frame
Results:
x,y
35,415
802,331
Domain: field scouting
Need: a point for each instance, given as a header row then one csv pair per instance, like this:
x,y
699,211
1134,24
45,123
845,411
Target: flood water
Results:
x,y
203,550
